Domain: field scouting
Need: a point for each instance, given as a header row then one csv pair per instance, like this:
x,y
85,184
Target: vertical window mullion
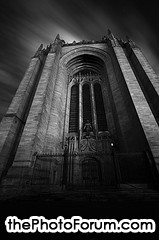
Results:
x,y
80,111
95,126
74,110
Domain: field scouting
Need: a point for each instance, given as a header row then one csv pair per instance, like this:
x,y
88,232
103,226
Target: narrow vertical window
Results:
x,y
74,109
100,111
87,113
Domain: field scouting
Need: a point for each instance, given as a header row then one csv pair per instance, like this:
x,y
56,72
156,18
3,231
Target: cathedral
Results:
x,y
85,115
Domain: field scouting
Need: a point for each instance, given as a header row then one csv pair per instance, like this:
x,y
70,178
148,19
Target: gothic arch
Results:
x,y
85,50
101,54
101,62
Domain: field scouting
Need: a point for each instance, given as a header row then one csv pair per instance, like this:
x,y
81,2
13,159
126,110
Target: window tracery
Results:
x,y
86,104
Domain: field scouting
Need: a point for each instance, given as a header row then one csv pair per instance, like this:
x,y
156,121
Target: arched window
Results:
x,y
87,112
74,110
86,106
100,111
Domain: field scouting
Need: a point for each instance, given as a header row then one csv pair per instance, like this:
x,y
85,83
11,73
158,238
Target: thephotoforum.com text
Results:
x,y
78,224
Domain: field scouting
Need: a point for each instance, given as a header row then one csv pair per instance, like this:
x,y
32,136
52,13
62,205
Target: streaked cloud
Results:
x,y
26,24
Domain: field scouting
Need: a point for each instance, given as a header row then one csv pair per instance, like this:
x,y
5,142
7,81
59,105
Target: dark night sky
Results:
x,y
25,24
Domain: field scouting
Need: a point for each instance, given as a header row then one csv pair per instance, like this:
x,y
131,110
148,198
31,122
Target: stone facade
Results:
x,y
38,150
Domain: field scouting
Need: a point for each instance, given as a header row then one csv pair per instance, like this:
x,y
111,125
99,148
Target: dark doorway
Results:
x,y
91,172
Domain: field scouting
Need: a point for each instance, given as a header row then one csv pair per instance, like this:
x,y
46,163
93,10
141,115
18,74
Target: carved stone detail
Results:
x,y
89,77
88,145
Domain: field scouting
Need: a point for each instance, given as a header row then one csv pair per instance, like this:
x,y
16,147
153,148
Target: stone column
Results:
x,y
55,129
147,78
80,112
95,126
153,78
33,136
143,110
13,122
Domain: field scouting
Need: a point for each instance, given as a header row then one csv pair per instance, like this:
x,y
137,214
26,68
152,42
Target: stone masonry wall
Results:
x,y
129,119
35,129
13,122
147,78
143,110
55,128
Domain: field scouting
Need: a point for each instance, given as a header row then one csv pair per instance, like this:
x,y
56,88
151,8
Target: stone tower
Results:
x,y
86,113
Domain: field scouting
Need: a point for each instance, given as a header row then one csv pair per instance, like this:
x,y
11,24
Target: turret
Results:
x,y
111,37
56,46
39,51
